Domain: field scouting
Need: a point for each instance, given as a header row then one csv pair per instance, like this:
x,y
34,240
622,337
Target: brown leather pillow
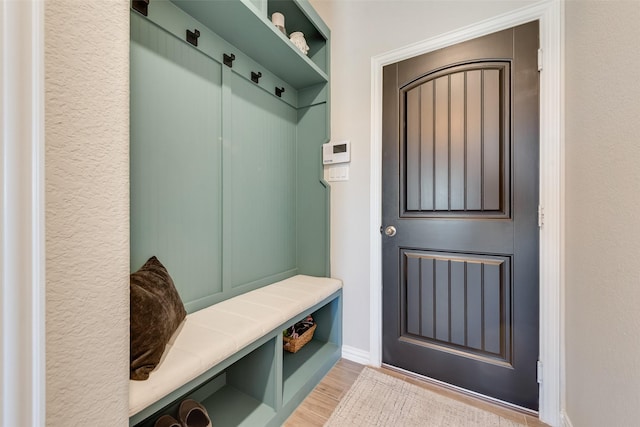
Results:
x,y
156,312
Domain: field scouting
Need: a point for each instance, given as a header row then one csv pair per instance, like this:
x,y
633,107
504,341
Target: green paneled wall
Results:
x,y
313,193
262,184
176,182
226,178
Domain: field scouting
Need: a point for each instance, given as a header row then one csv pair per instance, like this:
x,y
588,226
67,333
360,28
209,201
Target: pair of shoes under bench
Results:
x,y
190,413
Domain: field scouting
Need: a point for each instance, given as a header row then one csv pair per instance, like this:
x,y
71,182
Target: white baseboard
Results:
x,y
355,355
566,422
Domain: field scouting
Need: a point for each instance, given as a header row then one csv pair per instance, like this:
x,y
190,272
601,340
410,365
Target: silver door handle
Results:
x,y
390,231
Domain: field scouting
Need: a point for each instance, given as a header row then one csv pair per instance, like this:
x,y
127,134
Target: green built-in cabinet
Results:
x,y
262,384
226,179
226,176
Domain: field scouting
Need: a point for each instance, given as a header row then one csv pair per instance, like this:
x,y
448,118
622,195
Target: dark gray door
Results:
x,y
460,190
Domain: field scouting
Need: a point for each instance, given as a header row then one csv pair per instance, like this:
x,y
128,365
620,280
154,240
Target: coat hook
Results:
x,y
141,6
255,77
228,60
279,91
192,36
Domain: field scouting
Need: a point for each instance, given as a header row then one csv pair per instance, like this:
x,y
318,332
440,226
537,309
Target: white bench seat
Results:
x,y
213,334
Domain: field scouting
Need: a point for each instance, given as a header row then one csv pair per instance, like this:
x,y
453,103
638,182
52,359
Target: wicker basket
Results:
x,y
292,345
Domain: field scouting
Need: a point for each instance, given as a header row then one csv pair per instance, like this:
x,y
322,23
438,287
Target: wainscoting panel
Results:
x,y
456,142
176,160
458,302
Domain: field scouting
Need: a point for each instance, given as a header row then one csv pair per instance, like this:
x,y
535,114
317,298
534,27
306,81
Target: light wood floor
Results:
x,y
316,409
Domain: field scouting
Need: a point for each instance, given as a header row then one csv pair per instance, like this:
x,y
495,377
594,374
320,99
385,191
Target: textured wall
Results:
x,y
602,204
359,31
87,212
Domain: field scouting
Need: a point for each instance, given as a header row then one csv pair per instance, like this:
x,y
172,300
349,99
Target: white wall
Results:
x,y
602,204
87,212
87,193
602,180
87,218
359,31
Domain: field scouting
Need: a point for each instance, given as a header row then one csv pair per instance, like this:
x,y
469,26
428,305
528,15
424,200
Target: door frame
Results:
x,y
550,13
22,213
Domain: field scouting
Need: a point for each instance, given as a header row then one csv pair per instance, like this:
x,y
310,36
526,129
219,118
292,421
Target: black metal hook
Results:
x,y
141,6
192,36
228,60
279,91
255,77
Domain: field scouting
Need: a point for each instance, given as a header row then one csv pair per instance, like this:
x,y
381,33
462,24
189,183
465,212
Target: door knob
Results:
x,y
390,231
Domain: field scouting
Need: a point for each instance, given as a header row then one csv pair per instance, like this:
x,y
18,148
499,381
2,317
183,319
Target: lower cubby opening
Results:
x,y
265,386
230,406
303,369
244,394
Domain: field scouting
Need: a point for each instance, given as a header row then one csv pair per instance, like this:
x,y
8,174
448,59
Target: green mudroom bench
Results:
x,y
228,118
229,356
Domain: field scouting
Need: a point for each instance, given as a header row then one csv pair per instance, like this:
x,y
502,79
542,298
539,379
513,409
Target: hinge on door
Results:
x,y
539,59
539,372
540,216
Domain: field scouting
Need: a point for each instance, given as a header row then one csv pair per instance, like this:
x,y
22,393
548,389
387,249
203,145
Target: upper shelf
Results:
x,y
243,25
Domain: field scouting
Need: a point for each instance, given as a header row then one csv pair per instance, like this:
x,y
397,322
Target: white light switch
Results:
x,y
337,173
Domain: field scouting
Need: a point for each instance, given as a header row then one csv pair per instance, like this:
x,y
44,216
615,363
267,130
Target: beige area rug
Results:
x,y
376,399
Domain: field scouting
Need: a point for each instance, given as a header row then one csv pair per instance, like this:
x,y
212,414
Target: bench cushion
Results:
x,y
211,335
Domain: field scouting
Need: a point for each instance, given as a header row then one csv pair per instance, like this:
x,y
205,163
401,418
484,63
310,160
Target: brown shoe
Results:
x,y
193,414
167,421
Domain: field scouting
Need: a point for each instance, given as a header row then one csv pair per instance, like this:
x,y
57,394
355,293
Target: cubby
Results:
x,y
301,369
263,384
243,394
246,25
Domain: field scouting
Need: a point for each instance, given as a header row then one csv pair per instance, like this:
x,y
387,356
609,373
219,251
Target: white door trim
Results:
x,y
22,255
550,13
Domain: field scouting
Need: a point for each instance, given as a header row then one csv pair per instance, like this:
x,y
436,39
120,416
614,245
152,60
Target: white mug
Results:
x,y
277,19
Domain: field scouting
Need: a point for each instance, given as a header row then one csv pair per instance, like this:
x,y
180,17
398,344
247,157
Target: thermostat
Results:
x,y
336,152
